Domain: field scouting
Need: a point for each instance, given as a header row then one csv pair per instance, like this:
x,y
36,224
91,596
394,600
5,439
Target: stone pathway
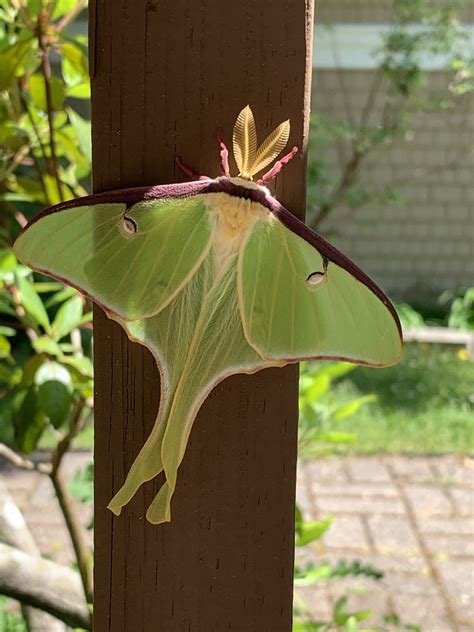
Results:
x,y
411,518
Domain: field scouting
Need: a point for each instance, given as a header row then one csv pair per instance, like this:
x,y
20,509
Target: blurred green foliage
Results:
x,y
45,150
45,158
45,365
461,308
319,409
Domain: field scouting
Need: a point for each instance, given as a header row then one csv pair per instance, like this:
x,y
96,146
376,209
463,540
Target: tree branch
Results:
x,y
14,532
76,533
46,69
22,462
69,17
43,584
66,503
40,144
347,180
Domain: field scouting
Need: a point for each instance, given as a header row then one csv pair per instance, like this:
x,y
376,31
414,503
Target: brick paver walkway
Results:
x,y
412,518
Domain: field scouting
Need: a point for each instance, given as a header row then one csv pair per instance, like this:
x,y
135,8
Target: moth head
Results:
x,y
250,158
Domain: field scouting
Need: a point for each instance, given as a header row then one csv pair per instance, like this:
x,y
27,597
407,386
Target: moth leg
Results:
x,y
189,172
277,167
224,154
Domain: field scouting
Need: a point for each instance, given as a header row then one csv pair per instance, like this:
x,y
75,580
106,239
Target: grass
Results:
x,y
425,405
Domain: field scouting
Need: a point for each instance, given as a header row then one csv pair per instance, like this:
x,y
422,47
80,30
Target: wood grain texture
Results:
x,y
165,76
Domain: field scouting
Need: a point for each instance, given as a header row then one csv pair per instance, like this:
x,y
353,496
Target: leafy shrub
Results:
x,y
319,408
45,148
46,377
409,317
461,310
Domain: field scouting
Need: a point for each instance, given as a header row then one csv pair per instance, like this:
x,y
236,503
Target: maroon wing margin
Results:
x,y
224,185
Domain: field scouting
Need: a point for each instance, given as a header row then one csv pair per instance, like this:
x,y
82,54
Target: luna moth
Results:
x,y
214,277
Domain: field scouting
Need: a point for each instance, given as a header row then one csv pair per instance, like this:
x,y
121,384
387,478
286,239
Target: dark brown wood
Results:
x,y
166,75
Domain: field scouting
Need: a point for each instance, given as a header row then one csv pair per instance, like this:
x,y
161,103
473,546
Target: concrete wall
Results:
x,y
425,244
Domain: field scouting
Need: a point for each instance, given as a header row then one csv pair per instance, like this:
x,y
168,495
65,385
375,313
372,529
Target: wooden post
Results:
x,y
165,75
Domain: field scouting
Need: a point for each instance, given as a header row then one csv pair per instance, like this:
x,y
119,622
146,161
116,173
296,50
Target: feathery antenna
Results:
x,y
250,159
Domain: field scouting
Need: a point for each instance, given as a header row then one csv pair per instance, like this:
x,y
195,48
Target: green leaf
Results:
x,y
307,626
37,91
5,347
8,262
68,142
310,531
83,383
28,421
32,303
337,437
52,190
351,625
6,307
32,188
45,344
82,364
74,64
83,130
352,407
313,574
61,7
67,347
87,318
15,197
340,613
7,331
80,91
5,374
298,520
361,615
34,7
52,370
319,387
60,296
50,286
338,369
54,399
29,369
68,317
81,485
11,59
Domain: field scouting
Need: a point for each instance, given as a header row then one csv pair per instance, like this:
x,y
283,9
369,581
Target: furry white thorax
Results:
x,y
233,218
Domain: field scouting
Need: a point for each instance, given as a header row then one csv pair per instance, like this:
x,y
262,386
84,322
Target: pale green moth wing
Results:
x,y
131,261
198,340
297,304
